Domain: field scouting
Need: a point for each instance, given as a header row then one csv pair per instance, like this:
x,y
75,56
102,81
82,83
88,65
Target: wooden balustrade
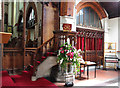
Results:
x,y
53,44
41,51
61,37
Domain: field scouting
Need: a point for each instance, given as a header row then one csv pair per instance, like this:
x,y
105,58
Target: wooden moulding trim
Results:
x,y
12,51
17,49
11,48
30,48
85,29
72,32
94,5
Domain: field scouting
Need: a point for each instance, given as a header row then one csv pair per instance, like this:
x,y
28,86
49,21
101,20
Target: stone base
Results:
x,y
60,78
33,78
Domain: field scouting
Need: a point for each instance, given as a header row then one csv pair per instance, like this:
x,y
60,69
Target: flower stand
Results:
x,y
66,75
69,75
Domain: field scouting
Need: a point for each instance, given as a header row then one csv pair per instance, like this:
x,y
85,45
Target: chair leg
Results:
x,y
115,66
100,64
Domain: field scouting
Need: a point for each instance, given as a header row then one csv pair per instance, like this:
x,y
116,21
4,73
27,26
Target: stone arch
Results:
x,y
19,21
20,16
29,8
94,5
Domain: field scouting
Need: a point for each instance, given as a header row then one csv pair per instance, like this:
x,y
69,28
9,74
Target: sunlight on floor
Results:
x,y
95,83
104,78
88,83
113,84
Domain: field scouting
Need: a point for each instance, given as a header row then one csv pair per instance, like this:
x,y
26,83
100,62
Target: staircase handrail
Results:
x,y
43,44
36,51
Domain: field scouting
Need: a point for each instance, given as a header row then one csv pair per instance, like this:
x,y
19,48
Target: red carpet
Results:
x,y
24,81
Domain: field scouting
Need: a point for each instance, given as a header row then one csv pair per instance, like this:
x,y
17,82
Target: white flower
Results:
x,y
79,51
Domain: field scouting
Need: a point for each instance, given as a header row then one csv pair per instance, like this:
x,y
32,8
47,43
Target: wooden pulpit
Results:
x,y
4,37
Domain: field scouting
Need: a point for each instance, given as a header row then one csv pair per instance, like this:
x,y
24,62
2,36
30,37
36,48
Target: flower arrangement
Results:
x,y
66,54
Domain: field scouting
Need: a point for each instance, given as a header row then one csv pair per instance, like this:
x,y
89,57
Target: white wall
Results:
x,y
112,31
0,11
119,36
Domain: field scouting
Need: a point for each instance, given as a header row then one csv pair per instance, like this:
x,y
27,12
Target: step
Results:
x,y
6,79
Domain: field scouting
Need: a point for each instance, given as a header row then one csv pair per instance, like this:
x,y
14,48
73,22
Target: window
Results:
x,y
88,17
31,20
20,22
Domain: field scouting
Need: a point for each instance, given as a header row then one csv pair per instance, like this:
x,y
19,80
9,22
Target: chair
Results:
x,y
99,59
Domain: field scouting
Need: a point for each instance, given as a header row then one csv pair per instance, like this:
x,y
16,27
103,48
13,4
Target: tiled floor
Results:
x,y
103,78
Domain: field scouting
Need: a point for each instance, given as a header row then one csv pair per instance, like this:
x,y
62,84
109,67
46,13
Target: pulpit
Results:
x,y
4,37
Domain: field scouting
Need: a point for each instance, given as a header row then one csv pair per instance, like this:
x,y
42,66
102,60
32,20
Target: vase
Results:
x,y
69,76
61,77
69,67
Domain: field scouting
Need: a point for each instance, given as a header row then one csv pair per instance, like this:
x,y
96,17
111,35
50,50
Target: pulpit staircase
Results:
x,y
48,48
24,79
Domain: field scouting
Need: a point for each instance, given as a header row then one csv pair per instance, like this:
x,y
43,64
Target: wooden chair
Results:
x,y
99,59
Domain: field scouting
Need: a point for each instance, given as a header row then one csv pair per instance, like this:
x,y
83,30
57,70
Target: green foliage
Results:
x,y
67,53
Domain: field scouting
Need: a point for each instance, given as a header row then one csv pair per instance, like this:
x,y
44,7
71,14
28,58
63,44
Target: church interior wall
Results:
x,y
50,21
111,31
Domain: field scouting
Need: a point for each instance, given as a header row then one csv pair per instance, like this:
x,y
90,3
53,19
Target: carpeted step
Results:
x,y
24,81
21,80
6,79
51,54
42,82
43,58
28,72
38,62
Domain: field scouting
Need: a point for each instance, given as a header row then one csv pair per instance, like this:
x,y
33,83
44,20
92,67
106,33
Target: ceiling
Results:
x,y
112,8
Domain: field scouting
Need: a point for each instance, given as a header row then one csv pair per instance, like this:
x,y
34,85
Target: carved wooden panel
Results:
x,y
17,61
50,21
13,59
67,8
91,55
27,60
63,8
7,61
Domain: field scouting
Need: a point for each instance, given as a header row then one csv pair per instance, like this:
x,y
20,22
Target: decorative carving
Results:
x,y
91,55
